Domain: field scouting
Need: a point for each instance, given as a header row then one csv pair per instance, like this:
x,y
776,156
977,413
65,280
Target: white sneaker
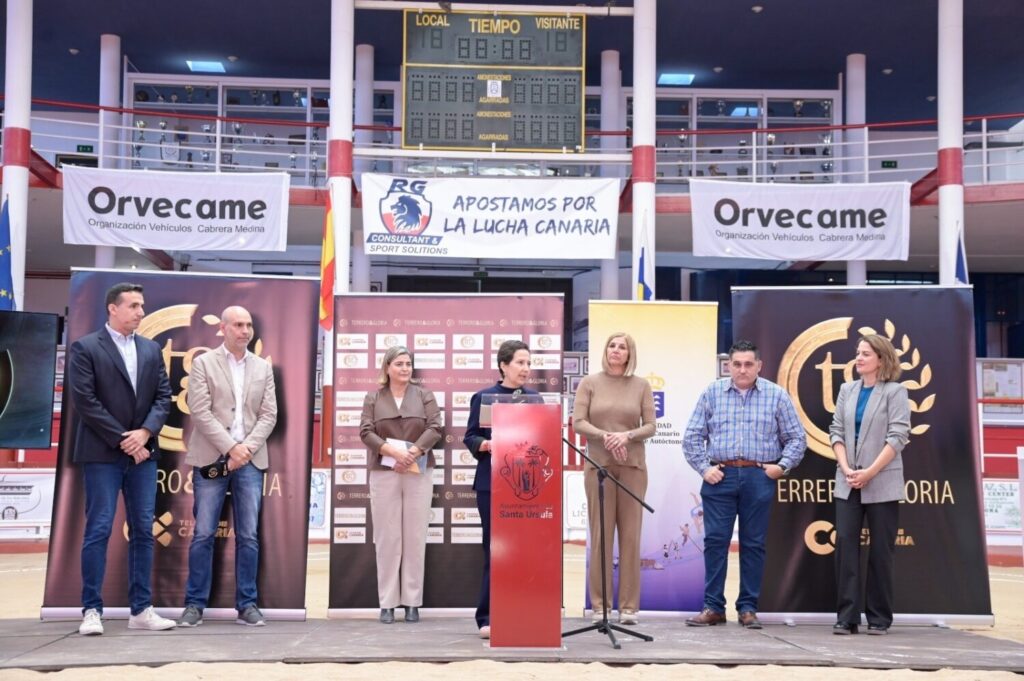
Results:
x,y
485,631
629,617
91,624
149,620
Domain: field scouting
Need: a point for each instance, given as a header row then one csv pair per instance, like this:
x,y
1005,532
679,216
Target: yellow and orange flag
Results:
x,y
327,270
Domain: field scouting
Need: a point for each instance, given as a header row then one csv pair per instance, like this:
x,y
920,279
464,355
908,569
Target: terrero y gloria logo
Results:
x,y
802,350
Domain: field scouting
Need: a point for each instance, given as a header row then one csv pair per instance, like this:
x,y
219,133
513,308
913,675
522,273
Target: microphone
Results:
x,y
516,395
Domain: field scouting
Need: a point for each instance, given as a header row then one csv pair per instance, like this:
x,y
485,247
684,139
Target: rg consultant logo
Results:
x,y
527,469
808,372
404,210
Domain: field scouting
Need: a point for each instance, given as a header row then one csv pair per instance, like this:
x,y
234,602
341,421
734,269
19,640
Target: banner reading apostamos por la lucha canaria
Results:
x,y
801,222
176,210
570,219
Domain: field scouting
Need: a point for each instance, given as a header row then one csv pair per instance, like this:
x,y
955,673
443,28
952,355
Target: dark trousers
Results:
x,y
483,608
883,522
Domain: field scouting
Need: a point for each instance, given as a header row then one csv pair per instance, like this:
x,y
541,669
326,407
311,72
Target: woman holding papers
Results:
x,y
614,410
399,425
870,427
514,368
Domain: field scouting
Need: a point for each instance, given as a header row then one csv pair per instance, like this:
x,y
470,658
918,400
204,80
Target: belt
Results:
x,y
740,463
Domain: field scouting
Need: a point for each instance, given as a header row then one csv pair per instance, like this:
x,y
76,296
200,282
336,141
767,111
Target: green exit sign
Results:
x,y
889,164
84,149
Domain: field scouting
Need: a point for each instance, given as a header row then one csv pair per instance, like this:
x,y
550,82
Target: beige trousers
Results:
x,y
400,509
622,513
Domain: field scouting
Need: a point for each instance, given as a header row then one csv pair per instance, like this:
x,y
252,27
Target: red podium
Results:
x,y
526,526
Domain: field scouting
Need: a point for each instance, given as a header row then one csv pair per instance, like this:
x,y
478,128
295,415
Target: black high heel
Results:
x,y
844,628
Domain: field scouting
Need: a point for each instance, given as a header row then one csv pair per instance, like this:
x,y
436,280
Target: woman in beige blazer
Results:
x,y
400,423
870,427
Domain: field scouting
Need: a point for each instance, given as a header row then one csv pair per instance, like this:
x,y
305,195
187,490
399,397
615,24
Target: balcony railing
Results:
x,y
121,138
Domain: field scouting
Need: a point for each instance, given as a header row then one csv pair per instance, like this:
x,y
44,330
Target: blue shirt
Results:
x,y
760,426
862,402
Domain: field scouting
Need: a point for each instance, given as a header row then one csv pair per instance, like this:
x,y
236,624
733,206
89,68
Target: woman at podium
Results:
x,y
514,368
614,410
400,423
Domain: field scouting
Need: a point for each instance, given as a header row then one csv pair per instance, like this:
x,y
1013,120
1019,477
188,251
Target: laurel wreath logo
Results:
x,y
924,378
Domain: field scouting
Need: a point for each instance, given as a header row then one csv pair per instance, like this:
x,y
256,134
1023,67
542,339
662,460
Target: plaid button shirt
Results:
x,y
759,426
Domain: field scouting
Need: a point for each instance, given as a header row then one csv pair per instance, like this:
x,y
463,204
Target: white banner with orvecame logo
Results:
x,y
797,222
176,210
568,219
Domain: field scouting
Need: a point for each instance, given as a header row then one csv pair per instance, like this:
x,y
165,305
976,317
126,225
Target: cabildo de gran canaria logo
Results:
x,y
177,317
658,389
802,351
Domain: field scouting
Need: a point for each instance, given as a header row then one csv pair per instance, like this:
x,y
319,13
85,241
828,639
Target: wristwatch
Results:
x,y
785,471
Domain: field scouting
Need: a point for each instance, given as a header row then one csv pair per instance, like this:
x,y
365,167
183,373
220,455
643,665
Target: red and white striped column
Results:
x,y
644,80
17,136
339,140
951,135
110,95
611,88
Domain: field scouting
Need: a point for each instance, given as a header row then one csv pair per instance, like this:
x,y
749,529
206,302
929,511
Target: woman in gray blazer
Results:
x,y
400,423
869,430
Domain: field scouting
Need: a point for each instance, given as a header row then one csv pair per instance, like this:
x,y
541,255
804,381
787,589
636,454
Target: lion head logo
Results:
x,y
404,213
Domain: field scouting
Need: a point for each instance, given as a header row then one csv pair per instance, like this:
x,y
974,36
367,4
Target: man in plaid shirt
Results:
x,y
743,436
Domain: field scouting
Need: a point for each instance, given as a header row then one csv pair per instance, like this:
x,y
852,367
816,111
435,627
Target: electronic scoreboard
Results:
x,y
506,81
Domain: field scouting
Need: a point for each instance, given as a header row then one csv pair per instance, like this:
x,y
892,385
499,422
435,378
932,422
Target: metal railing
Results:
x,y
123,138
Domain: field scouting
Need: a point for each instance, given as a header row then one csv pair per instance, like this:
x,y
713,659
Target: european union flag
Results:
x,y
6,279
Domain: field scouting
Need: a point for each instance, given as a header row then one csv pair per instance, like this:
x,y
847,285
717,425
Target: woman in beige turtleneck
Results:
x,y
614,410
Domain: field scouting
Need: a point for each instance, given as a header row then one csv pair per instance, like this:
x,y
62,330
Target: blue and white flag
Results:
x,y
6,278
961,260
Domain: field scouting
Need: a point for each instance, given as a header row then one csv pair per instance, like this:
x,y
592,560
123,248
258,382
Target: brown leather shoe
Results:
x,y
706,618
748,619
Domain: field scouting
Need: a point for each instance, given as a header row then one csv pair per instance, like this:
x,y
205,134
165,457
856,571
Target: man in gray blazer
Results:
x,y
231,397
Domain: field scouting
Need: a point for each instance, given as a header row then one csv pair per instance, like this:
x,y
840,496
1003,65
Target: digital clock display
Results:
x,y
484,80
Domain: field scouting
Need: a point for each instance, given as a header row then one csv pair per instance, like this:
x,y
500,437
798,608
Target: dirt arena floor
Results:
x,y
22,576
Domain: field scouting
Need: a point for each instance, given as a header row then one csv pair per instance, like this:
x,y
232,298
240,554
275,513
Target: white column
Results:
x,y
110,95
951,135
397,166
644,77
360,264
339,144
17,137
611,88
363,107
856,168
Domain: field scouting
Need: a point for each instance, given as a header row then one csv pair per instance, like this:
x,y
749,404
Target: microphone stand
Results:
x,y
604,626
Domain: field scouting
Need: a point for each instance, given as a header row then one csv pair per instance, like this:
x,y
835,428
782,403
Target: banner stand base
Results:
x,y
793,619
374,613
275,614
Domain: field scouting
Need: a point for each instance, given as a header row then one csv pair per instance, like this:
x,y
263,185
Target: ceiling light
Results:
x,y
757,9
718,69
73,51
675,79
232,58
204,66
887,72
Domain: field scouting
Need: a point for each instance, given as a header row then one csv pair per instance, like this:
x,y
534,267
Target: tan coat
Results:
x,y
211,399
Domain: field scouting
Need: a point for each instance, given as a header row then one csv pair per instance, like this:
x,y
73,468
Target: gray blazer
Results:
x,y
886,421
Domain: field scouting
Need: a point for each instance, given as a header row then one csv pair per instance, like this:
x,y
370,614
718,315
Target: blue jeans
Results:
x,y
246,487
746,493
137,483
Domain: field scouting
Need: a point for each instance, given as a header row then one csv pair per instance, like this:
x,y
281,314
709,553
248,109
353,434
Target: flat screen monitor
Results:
x,y
28,356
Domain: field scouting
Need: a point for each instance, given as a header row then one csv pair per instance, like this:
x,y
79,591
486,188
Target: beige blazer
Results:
x,y
211,399
886,420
